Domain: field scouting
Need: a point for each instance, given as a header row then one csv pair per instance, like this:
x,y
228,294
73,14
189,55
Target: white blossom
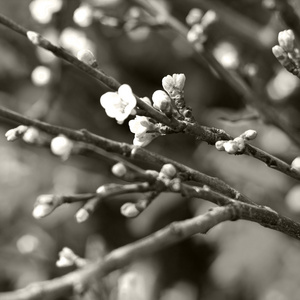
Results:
x,y
119,104
139,126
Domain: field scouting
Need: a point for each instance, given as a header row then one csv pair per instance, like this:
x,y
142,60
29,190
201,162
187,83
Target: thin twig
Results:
x,y
173,233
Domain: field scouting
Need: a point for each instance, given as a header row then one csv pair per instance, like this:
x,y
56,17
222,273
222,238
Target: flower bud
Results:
x,y
249,134
231,147
220,145
162,101
83,16
119,170
66,258
82,215
146,100
44,205
296,164
34,37
13,134
196,34
129,210
61,146
240,143
209,17
87,57
31,135
194,16
278,52
174,84
168,170
286,40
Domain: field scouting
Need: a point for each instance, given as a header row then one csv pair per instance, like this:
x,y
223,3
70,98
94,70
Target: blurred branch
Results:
x,y
173,233
244,27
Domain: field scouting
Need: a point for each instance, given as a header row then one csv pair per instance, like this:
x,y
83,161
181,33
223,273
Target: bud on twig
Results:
x,y
87,57
119,170
129,210
13,134
61,146
286,40
162,101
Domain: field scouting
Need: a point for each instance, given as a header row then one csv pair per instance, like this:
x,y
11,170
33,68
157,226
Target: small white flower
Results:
x,y
286,39
174,85
139,126
119,104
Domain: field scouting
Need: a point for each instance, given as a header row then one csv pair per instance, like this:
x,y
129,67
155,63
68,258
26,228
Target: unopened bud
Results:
x,y
249,134
240,143
278,52
61,146
66,258
286,40
209,17
168,170
231,147
82,215
31,135
119,170
129,210
87,57
161,101
220,145
44,205
194,16
296,164
34,37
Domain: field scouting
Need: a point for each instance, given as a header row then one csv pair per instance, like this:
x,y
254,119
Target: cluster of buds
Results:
x,y
62,146
286,53
199,22
30,135
237,145
68,258
45,205
171,100
119,105
15,133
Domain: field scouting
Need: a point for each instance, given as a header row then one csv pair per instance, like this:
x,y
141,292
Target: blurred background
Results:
x,y
237,260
